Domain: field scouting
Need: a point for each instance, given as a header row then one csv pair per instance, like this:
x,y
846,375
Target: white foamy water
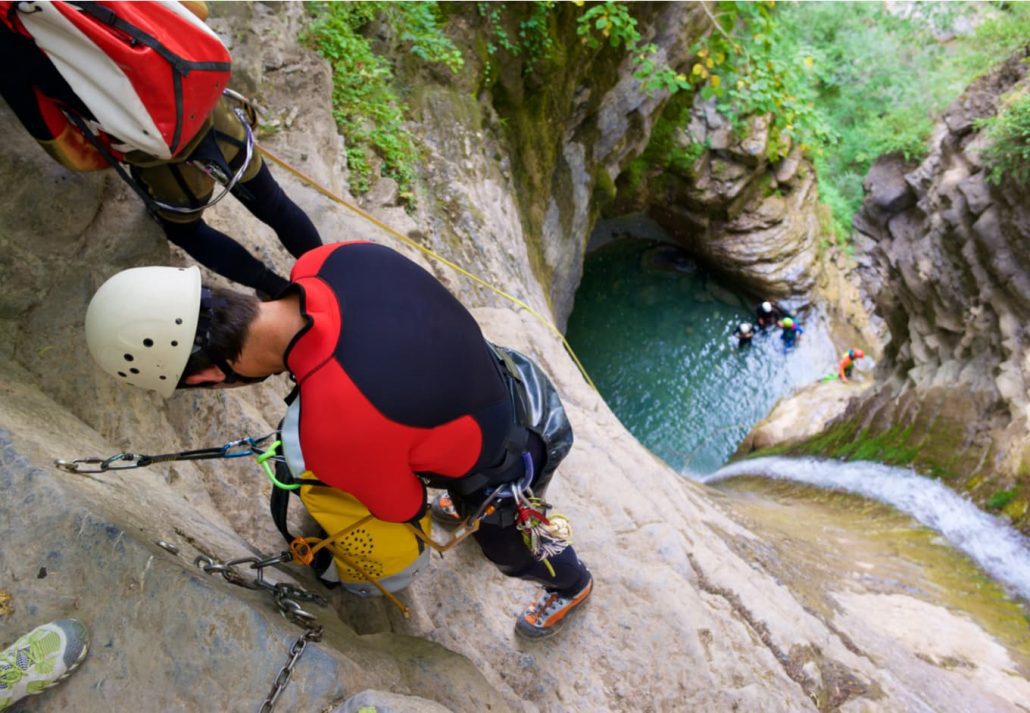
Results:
x,y
1001,550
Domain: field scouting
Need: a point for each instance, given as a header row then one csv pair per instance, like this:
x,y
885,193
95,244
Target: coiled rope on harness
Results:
x,y
429,253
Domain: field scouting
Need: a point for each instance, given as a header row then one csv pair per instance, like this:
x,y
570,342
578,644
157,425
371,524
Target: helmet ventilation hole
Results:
x,y
133,370
123,375
178,320
148,342
175,343
128,357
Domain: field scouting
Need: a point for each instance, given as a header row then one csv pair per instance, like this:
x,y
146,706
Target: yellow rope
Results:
x,y
434,255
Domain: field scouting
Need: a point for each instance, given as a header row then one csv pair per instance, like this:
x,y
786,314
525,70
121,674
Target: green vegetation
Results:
x,y
742,64
367,108
1000,499
842,82
1008,155
848,82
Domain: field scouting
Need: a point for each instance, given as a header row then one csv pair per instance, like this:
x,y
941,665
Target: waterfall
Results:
x,y
992,543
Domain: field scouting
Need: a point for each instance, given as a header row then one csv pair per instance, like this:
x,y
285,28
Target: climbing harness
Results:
x,y
212,164
543,536
429,253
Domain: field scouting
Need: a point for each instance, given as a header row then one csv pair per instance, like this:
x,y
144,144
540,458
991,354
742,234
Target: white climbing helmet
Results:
x,y
767,307
141,323
745,328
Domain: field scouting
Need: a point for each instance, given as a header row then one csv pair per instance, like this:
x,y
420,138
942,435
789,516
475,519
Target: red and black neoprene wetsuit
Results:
x,y
395,379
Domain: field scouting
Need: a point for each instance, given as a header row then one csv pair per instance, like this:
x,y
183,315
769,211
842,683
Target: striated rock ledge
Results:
x,y
946,263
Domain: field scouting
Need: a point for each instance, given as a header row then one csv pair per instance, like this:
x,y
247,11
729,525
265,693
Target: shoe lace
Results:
x,y
9,675
10,671
544,603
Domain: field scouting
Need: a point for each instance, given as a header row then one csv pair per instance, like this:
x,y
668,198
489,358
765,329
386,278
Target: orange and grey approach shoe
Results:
x,y
443,510
550,611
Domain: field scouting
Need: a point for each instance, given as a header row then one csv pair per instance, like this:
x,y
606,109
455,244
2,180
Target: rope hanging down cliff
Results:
x,y
430,253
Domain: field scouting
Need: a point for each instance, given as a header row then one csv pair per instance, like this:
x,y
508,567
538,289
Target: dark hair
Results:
x,y
225,319
232,313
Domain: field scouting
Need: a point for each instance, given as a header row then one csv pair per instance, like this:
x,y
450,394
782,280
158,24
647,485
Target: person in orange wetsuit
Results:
x,y
847,363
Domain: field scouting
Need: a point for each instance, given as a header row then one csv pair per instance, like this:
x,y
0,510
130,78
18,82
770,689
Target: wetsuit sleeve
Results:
x,y
35,93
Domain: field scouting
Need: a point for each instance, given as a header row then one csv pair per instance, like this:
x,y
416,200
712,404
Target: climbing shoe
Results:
x,y
550,611
443,510
40,659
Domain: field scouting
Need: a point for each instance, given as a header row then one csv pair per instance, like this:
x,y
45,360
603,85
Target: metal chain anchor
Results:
x,y
283,678
287,599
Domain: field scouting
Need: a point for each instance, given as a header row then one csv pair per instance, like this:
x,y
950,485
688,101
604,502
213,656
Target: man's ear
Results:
x,y
210,375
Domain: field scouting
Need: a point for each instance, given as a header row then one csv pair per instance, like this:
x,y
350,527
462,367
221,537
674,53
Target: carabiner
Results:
x,y
241,447
75,466
131,460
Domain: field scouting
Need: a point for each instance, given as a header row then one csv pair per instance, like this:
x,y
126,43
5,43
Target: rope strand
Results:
x,y
430,253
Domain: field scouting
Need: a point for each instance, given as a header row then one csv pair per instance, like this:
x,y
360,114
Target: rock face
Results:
x,y
570,128
948,266
680,620
752,219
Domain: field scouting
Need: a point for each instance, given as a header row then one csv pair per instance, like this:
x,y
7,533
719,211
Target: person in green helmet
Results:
x,y
791,331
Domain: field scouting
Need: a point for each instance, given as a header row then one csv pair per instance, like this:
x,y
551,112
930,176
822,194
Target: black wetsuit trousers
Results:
x,y
503,544
267,201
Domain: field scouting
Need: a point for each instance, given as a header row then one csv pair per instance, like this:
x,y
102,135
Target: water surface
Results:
x,y
655,334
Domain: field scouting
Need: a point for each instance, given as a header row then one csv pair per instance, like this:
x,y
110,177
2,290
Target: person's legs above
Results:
x,y
267,201
217,251
41,658
184,185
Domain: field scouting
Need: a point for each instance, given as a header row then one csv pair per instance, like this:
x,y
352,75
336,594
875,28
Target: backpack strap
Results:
x,y
104,151
279,505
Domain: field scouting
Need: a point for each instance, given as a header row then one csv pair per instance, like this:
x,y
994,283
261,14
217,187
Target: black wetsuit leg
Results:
x,y
217,251
503,545
267,202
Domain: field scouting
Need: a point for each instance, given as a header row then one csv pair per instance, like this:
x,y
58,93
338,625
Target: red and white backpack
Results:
x,y
149,72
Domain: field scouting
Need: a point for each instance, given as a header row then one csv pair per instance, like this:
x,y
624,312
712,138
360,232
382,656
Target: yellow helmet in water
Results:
x,y
787,323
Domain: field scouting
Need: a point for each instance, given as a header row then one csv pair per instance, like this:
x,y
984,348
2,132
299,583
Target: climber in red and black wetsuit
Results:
x,y
396,388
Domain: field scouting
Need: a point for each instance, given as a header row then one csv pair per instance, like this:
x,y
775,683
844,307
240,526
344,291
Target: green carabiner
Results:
x,y
263,459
